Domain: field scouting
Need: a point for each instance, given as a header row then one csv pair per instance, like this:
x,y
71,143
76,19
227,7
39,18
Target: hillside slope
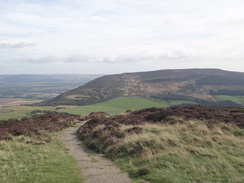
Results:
x,y
186,84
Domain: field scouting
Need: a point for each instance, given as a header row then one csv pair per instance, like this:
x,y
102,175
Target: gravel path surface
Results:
x,y
95,168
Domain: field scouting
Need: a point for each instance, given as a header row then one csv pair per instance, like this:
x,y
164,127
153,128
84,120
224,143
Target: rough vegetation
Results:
x,y
195,85
36,125
181,144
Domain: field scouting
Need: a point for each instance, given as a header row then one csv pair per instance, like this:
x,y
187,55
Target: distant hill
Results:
x,y
198,85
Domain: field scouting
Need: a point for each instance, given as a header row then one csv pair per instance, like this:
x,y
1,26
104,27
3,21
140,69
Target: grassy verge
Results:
x,y
26,159
116,106
236,99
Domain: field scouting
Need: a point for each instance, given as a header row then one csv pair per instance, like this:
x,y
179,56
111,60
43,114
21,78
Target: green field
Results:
x,y
236,99
117,106
113,107
18,112
22,161
121,104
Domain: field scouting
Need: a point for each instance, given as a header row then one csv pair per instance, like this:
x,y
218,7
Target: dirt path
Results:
x,y
95,168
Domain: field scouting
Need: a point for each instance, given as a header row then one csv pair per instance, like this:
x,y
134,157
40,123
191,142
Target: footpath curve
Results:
x,y
95,168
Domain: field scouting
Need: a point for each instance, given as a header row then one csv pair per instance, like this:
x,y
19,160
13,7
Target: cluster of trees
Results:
x,y
220,81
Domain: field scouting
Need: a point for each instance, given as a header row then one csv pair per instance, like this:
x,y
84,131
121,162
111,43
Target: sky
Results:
x,y
117,36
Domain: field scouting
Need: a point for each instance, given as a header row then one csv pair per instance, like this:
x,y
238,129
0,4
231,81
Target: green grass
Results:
x,y
116,106
236,99
22,162
85,110
132,103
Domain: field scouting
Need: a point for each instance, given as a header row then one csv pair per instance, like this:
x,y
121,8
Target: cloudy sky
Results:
x,y
116,36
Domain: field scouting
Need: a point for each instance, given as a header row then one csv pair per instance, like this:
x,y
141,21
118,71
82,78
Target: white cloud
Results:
x,y
76,58
123,33
42,60
15,45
